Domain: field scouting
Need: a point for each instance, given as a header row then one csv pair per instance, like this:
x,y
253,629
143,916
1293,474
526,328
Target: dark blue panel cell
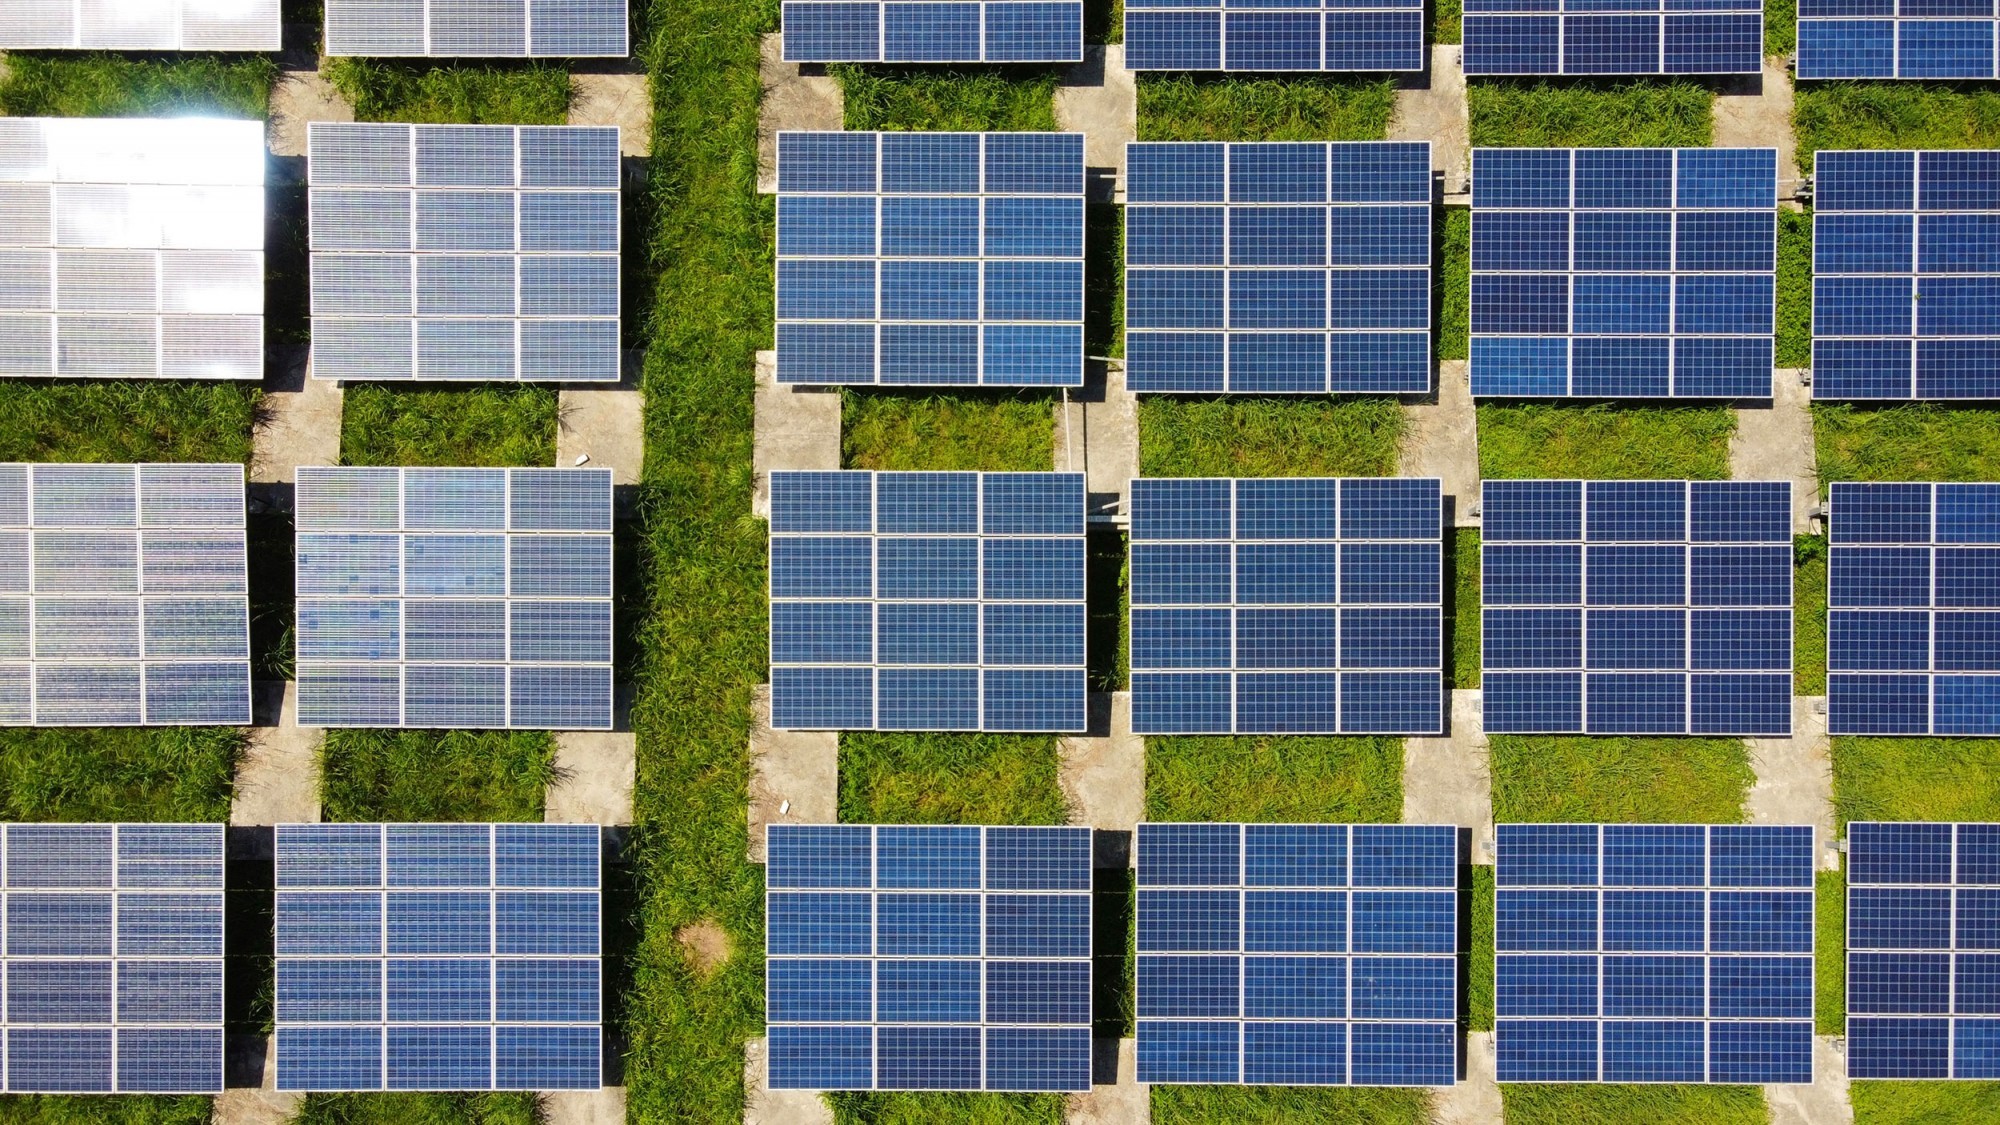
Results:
x,y
1035,1058
819,991
1713,44
1967,577
1270,41
1273,363
1385,573
1520,303
822,698
1620,242
1300,988
1522,240
826,162
1391,703
1755,705
1628,303
1615,367
927,991
927,1058
1957,243
1653,921
1037,859
1378,298
1899,853
1978,855
928,857
1654,986
1654,1051
1532,702
1287,703
834,226
928,634
1176,173
1545,1050
1898,983
1862,243
1847,48
1898,1048
930,353
1402,988
1188,987
1881,513
1878,641
1286,638
1532,510
1635,575
1289,509
1884,577
1761,988
1197,703
1760,856
1975,1048
1295,855
1174,236
1655,855
930,32
1976,984
1878,704
1286,574
1541,985
1187,1051
1405,856
1391,638
1863,306
1034,634
1522,368
1405,921
1968,705
1760,922
927,925
1635,702
1944,49
1962,369
1180,638
1863,369
1296,921
1531,574
1302,1054
833,32
1190,855
1740,576
1865,181
1174,298
1545,921
1174,361
1760,1052
1636,639
1182,921
927,568
1740,640
1899,917
1390,509
1277,236
1611,45
821,1058
1180,509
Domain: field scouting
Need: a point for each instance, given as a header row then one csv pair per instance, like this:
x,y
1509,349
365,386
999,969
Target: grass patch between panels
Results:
x,y
927,1108
1809,615
1915,779
993,431
1910,441
1528,1103
1186,108
1553,779
101,84
1329,1105
1604,441
494,424
1590,113
1794,322
1462,619
427,775
1275,779
1479,952
1269,437
73,1110
418,1109
1831,116
1447,23
117,773
1781,32
115,421
949,778
1924,1103
1000,99
424,93
1830,953
1451,274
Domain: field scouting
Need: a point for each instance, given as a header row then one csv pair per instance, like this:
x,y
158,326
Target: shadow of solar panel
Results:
x,y
438,957
1653,953
1940,41
935,31
121,25
476,28
1306,36
1297,954
1636,607
1527,37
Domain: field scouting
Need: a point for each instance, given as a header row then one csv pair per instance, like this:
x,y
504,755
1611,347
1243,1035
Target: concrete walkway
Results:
x,y
251,1096
1759,115
621,99
1442,440
794,428
604,425
794,774
792,99
1097,434
1476,1098
765,1106
277,780
1116,1096
1103,776
583,1107
298,419
1776,443
298,98
1447,780
1795,777
1825,1101
1436,111
1100,99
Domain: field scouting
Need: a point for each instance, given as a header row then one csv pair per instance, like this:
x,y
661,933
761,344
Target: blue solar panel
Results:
x,y
927,601
930,259
112,958
1636,607
1298,954
933,31
1623,273
1307,35
1278,268
438,957
1653,953
1886,39
1614,37
1906,271
1913,583
1295,606
928,957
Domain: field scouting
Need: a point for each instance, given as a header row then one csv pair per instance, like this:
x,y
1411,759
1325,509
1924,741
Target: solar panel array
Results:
x,y
1923,950
131,248
1653,953
464,252
477,28
933,31
1300,268
140,25
1895,39
461,598
113,958
1298,954
927,601
438,957
930,259
1289,606
1290,35
1623,273
927,958
1636,607
1906,271
1913,609
1614,36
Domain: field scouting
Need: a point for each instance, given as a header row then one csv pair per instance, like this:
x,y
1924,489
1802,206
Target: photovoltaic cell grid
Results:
x,y
928,958
1293,606
438,957
1913,609
1614,36
1637,607
131,249
477,28
1298,954
933,31
113,958
1286,35
470,598
930,259
140,25
1906,275
464,252
1275,268
1653,953
1623,273
1895,39
927,601
1923,950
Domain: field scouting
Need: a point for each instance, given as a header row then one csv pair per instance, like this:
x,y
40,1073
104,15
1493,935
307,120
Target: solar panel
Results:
x,y
113,958
1913,581
438,957
1623,273
1614,37
930,259
1298,954
1923,925
927,957
140,25
1636,607
476,28
466,598
453,252
1653,953
1295,606
933,31
1278,268
131,249
1888,39
1906,269
1308,35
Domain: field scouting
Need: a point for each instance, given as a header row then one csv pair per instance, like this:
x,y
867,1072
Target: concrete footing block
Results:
x,y
1100,99
1436,111
621,99
250,1071
1448,780
607,425
794,774
299,98
1756,112
1116,1096
298,419
595,773
1475,1100
1442,440
795,97
795,428
765,1106
1795,777
1103,775
604,1106
1097,434
277,780
1776,443
1825,1101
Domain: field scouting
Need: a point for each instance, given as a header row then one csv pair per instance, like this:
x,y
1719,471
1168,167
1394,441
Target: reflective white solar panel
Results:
x,y
933,31
141,25
113,958
454,598
438,957
131,248
476,28
464,252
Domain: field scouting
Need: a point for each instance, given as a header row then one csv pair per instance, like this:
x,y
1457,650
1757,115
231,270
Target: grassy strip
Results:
x,y
117,773
932,778
1830,953
1479,957
1446,25
1590,113
1883,115
1809,615
1781,31
1275,779
418,1109
1604,441
426,93
1462,620
1629,780
496,424
1536,1104
1915,779
1924,1103
1913,441
1186,108
1794,343
101,84
1451,273
1002,99
121,421
1269,437
1204,1105
929,1108
71,1110
994,431
425,775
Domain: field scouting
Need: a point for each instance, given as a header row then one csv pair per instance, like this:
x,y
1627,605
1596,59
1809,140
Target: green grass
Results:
x,y
1809,615
965,1109
1781,32
1590,113
1924,1103
1186,108
1830,953
496,424
1794,344
121,421
429,93
1915,779
933,778
1532,1104
994,431
1269,437
1445,22
1830,116
1452,277
418,1109
1479,956
105,1111
117,773
1275,779
99,84
1462,613
1273,1105
1008,99
1628,780
425,775
1913,441
1604,441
